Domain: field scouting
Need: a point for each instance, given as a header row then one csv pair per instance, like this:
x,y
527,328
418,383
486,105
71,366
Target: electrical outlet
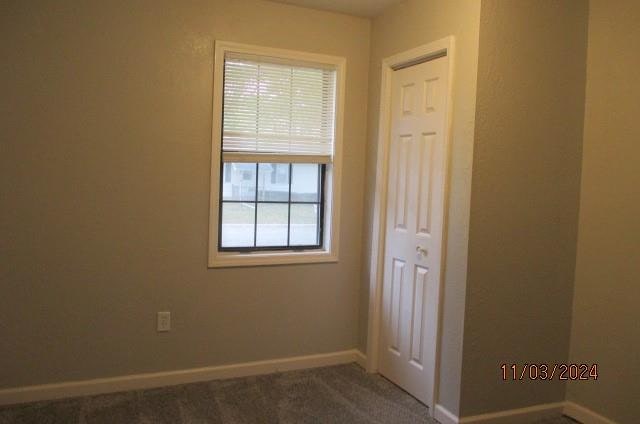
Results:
x,y
164,321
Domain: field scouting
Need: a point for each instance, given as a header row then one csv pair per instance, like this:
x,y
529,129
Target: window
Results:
x,y
275,156
279,207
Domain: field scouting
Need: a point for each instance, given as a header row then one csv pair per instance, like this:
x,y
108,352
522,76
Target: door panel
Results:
x,y
396,306
425,166
402,181
419,283
413,235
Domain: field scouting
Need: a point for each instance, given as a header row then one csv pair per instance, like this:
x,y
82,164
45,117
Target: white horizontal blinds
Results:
x,y
277,110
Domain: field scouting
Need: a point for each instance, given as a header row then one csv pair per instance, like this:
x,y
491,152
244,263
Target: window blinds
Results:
x,y
281,111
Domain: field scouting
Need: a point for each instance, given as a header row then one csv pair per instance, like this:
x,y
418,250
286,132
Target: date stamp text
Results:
x,y
562,372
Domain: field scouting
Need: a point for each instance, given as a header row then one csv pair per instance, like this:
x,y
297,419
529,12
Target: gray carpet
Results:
x,y
339,394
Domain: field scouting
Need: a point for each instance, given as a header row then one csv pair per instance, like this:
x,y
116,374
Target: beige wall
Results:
x,y
105,120
605,308
105,123
407,25
524,201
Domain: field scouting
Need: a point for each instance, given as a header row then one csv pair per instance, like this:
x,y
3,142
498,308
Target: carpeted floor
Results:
x,y
339,394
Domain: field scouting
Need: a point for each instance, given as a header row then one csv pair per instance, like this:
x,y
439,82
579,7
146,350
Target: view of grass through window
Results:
x,y
271,205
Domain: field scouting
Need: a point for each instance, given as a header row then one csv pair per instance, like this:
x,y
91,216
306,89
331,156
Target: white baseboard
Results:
x,y
584,415
361,359
444,416
525,415
511,416
168,378
517,416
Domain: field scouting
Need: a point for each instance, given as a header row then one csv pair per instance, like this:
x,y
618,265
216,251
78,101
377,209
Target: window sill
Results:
x,y
236,259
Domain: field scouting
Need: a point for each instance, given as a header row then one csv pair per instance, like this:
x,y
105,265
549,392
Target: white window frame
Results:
x,y
331,227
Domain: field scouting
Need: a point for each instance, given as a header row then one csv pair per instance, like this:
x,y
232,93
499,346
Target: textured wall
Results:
x,y
605,309
524,201
402,27
105,130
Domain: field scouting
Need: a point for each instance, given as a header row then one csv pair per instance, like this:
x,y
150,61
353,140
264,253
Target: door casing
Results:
x,y
436,49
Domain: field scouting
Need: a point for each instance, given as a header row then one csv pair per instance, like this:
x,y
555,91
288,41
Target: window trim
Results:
x,y
331,224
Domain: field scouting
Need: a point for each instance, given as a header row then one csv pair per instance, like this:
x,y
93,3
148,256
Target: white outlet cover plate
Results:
x,y
164,321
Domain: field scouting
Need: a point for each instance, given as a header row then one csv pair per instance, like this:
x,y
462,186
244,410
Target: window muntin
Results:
x,y
285,212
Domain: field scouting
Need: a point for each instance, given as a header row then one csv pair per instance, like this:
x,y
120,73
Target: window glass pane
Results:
x,y
237,224
304,182
273,182
304,225
272,224
239,181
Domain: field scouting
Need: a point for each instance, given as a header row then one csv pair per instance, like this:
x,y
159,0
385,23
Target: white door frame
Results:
x,y
417,55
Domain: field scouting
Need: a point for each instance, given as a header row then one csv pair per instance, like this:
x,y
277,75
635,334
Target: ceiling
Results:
x,y
366,8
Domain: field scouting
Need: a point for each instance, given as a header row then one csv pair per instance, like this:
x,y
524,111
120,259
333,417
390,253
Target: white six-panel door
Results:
x,y
414,227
